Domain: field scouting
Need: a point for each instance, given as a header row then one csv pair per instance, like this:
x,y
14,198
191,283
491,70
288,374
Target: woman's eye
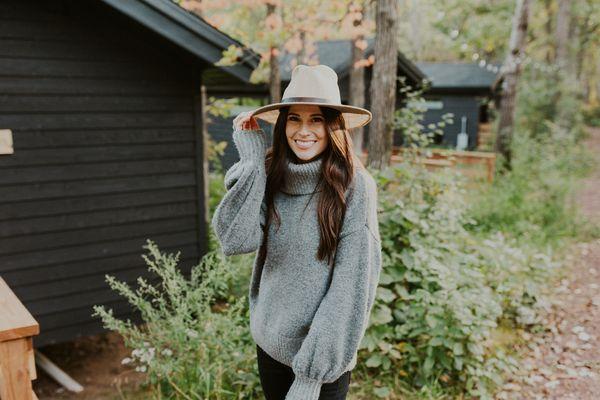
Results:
x,y
318,120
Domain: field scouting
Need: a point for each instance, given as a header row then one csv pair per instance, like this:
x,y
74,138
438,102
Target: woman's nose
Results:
x,y
304,129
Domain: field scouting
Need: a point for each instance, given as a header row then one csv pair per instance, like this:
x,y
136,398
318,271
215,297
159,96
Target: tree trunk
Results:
x,y
301,57
416,21
383,84
357,84
569,85
563,19
274,76
548,26
357,92
511,71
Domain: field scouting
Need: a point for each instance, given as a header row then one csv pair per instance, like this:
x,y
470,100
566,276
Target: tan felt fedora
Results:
x,y
314,85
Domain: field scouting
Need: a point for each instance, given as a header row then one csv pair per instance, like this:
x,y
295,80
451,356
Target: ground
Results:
x,y
563,363
94,362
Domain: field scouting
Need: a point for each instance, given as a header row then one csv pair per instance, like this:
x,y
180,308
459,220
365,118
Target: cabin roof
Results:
x,y
338,55
454,75
188,31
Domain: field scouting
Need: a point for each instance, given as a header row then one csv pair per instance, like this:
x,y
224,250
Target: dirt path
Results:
x,y
94,362
564,363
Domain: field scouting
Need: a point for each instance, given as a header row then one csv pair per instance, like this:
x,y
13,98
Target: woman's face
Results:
x,y
305,131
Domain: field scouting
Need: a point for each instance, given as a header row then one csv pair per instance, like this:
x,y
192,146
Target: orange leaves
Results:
x,y
365,62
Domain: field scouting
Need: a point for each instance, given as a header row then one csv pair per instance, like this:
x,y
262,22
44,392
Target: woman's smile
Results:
x,y
304,144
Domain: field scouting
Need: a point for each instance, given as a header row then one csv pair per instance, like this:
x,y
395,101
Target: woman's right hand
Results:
x,y
245,122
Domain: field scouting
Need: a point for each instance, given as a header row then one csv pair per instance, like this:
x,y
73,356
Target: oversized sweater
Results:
x,y
302,313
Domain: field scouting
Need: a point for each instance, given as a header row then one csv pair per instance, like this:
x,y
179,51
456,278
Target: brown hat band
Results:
x,y
306,100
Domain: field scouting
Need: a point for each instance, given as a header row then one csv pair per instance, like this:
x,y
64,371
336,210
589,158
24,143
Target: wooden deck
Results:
x,y
17,361
473,164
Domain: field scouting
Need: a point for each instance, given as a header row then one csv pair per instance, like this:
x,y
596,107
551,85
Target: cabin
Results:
x,y
336,54
101,148
467,91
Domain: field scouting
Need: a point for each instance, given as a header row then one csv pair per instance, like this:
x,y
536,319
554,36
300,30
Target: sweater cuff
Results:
x,y
251,144
304,388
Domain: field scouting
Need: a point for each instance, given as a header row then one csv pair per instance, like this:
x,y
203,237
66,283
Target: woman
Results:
x,y
310,209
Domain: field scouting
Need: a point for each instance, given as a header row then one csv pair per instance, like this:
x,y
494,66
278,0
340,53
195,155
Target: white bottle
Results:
x,y
462,140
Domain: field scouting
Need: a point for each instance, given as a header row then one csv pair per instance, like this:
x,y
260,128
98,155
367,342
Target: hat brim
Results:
x,y
354,117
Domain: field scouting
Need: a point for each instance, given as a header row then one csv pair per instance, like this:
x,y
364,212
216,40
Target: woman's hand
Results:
x,y
244,122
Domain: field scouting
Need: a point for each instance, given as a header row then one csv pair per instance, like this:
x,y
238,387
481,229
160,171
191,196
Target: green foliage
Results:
x,y
546,97
193,344
442,289
591,115
408,117
532,200
449,277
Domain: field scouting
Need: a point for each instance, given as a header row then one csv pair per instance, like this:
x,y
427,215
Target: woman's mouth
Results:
x,y
304,144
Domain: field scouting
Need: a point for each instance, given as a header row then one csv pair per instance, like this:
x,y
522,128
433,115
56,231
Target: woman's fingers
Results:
x,y
250,124
245,121
237,122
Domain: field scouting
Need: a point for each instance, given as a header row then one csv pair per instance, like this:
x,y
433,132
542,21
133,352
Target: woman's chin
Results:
x,y
305,155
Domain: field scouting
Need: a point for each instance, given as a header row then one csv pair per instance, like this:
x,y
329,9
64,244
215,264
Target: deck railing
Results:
x,y
17,360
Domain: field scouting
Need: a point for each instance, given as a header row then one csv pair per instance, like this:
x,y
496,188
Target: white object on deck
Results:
x,y
462,139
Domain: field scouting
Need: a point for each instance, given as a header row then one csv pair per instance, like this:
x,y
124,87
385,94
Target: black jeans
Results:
x,y
276,379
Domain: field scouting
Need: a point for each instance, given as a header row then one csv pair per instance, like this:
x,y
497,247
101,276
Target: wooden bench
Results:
x,y
17,360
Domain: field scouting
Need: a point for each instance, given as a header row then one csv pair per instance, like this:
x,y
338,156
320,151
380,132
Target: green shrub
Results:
x,y
443,290
533,200
591,115
547,97
192,345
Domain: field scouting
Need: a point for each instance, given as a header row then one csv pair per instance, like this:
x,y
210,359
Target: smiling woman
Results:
x,y
317,266
305,131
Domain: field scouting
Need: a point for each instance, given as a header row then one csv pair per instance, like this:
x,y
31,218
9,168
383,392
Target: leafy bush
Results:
x,y
547,97
409,116
591,115
192,345
443,289
532,201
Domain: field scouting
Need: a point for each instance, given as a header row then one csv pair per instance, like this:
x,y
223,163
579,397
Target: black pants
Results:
x,y
276,379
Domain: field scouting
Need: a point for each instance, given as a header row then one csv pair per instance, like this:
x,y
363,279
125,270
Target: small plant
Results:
x,y
194,344
416,136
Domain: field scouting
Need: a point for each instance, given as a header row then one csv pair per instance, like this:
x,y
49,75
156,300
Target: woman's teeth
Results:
x,y
305,144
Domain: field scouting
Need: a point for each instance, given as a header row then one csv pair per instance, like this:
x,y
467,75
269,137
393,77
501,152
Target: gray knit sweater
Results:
x,y
301,314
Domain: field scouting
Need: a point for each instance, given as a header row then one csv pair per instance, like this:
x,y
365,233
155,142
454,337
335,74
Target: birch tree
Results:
x,y
511,70
356,12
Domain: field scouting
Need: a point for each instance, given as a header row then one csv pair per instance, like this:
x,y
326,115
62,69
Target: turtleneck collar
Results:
x,y
302,178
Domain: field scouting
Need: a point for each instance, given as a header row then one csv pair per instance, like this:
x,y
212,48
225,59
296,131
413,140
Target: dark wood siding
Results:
x,y
459,105
106,156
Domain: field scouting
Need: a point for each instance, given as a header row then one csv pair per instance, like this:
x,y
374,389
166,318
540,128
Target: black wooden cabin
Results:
x,y
465,90
103,100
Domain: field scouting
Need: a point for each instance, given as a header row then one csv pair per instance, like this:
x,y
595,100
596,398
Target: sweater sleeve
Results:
x,y
340,322
239,218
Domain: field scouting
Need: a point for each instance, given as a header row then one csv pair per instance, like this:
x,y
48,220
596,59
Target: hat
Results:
x,y
314,85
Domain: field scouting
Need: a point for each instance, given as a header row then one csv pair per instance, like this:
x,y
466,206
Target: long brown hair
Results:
x,y
339,162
